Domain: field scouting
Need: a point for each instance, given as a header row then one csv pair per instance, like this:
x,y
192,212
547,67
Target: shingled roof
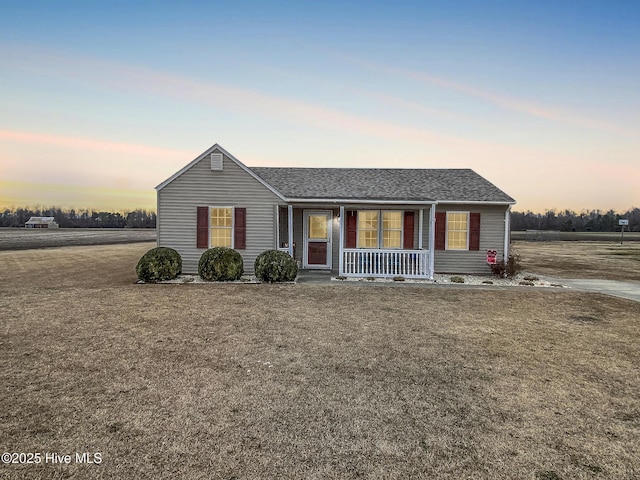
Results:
x,y
441,185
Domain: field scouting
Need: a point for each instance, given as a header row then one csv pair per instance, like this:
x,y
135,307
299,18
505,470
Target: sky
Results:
x,y
102,101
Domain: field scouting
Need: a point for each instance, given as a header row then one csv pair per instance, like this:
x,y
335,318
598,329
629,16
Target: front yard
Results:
x,y
308,381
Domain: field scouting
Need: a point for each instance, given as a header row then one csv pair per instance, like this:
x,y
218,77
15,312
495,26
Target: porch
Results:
x,y
322,237
385,263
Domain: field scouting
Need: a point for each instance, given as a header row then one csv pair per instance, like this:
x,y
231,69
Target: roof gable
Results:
x,y
206,153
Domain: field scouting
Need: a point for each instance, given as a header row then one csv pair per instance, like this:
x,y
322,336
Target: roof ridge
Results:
x,y
362,168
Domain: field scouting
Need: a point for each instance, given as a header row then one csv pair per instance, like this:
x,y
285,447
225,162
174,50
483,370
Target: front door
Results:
x,y
317,239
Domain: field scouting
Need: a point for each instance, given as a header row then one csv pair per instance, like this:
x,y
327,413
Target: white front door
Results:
x,y
317,239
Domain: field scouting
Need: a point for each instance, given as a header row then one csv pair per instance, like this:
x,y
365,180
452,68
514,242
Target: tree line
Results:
x,y
80,218
570,221
566,220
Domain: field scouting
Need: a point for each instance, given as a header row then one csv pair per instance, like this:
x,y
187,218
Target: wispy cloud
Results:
x,y
72,160
519,105
142,80
91,144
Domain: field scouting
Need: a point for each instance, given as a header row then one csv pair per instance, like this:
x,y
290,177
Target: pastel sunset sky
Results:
x,y
102,101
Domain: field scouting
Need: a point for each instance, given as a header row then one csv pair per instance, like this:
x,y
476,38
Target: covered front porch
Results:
x,y
363,240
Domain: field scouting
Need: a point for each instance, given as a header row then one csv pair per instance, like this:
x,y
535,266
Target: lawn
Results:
x,y
29,238
607,260
308,381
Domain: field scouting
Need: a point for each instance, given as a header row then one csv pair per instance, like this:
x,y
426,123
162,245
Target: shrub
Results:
x,y
158,264
457,279
508,269
220,264
275,266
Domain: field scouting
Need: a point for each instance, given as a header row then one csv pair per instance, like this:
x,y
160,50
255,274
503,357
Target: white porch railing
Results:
x,y
385,263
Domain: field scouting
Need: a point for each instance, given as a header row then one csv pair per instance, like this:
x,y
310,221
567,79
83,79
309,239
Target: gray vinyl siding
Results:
x,y
491,238
230,187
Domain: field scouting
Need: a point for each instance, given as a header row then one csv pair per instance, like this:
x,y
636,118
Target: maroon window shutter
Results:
x,y
202,228
352,229
409,223
441,221
240,228
474,231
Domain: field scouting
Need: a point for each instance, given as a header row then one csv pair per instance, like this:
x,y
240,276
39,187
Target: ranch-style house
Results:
x,y
355,221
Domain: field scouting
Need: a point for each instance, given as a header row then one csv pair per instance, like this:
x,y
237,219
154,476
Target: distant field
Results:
x,y
585,259
587,236
26,238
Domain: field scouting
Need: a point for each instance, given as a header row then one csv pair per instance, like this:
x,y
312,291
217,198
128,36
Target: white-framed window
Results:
x,y
457,231
392,229
368,225
380,228
221,226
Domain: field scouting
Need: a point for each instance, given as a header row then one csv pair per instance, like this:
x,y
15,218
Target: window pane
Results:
x,y
457,230
368,229
368,239
318,227
391,220
221,217
391,239
392,229
221,223
368,219
221,237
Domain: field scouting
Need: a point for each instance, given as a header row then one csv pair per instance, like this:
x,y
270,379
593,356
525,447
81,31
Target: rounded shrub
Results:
x,y
158,264
275,266
220,264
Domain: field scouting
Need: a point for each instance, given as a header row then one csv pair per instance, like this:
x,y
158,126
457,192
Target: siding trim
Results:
x,y
353,201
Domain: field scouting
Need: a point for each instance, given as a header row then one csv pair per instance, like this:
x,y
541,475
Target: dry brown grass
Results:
x,y
295,381
605,260
25,238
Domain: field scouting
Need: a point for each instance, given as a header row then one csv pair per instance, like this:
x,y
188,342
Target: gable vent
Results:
x,y
216,161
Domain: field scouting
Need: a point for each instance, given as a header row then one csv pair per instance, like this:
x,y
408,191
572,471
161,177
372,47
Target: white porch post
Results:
x,y
507,232
420,228
290,228
341,242
432,239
